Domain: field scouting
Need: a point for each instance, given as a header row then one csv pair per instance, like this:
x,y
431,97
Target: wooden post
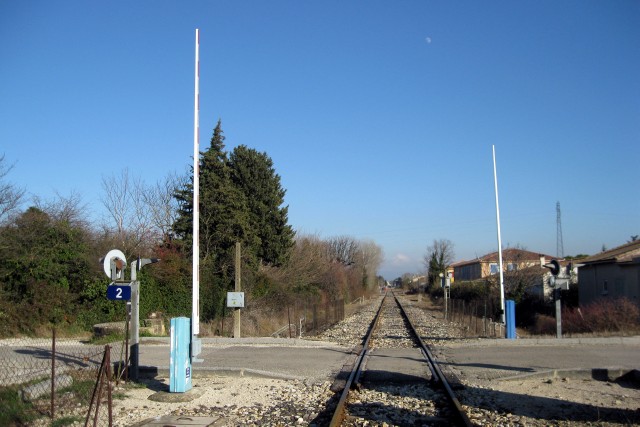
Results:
x,y
236,311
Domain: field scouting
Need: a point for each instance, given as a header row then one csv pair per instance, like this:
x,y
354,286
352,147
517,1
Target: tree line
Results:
x,y
49,252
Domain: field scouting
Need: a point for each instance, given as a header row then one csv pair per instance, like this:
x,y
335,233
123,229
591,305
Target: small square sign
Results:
x,y
119,292
235,299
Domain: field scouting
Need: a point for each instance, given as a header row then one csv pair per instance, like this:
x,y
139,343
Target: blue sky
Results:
x,y
379,116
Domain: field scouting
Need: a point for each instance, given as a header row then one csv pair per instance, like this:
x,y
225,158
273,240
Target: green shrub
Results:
x,y
469,291
66,421
436,292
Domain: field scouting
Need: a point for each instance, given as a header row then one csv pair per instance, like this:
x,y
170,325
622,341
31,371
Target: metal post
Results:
x,y
495,180
126,343
109,397
238,277
195,300
556,294
135,322
301,325
53,371
446,303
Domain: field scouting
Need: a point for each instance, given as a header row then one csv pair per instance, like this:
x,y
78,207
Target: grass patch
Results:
x,y
66,421
120,395
82,390
15,411
107,339
63,330
133,384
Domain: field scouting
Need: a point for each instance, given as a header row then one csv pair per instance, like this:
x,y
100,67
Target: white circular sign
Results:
x,y
113,253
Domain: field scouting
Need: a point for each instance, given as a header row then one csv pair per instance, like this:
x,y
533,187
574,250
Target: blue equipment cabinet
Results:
x,y
510,308
180,362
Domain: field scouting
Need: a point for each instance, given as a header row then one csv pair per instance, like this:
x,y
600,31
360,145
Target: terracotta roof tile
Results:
x,y
509,254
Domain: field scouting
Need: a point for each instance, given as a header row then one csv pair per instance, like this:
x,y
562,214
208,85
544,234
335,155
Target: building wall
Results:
x,y
467,272
482,269
609,280
631,282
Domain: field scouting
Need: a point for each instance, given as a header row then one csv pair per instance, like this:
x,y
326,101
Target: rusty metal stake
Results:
x,y
107,349
53,372
97,390
126,350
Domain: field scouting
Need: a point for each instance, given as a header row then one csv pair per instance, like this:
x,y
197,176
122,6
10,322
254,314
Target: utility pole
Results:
x,y
559,241
495,180
195,300
238,277
196,343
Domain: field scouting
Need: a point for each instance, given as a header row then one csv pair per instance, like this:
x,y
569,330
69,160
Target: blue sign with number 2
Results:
x,y
120,293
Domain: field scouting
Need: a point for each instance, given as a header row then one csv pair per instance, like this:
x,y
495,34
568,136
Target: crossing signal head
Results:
x,y
554,267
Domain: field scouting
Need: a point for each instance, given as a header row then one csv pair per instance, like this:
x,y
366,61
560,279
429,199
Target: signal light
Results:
x,y
554,267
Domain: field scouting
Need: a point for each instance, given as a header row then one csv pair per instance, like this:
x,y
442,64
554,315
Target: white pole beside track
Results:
x,y
195,307
495,181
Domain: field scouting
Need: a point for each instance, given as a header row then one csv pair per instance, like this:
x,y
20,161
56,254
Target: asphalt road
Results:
x,y
492,359
486,359
317,361
267,357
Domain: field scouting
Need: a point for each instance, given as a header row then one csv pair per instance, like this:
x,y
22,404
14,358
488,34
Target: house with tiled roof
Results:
x,y
487,265
611,274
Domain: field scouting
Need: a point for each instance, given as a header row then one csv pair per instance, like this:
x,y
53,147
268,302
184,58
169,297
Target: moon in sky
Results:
x,y
428,40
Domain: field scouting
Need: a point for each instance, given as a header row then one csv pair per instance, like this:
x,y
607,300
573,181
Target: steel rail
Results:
x,y
441,380
339,413
435,369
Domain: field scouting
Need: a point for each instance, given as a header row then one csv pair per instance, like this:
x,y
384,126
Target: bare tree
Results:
x,y
307,262
371,257
116,199
439,256
161,203
69,209
10,195
131,225
343,249
521,274
343,277
304,272
334,268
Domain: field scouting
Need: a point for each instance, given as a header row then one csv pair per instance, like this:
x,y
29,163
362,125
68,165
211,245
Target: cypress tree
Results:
x,y
223,222
253,173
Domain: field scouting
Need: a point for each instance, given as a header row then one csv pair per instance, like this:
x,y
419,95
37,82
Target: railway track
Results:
x,y
395,379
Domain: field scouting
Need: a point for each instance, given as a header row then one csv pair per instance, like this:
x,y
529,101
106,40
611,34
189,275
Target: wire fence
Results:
x,y
47,380
475,317
310,318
